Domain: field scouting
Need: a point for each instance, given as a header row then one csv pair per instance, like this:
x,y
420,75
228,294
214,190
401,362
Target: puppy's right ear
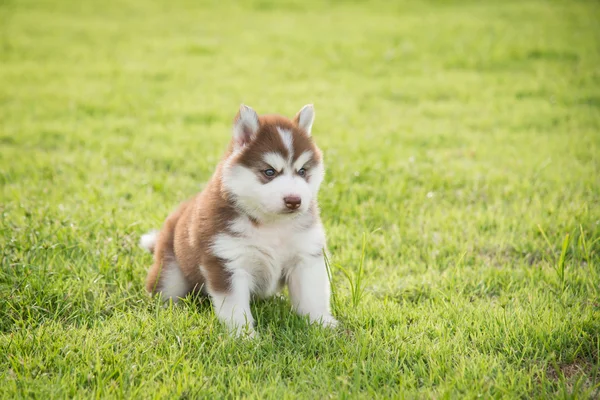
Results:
x,y
245,126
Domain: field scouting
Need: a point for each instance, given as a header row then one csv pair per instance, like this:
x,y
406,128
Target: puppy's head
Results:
x,y
274,169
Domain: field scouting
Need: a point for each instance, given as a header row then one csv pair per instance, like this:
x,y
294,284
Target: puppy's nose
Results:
x,y
292,202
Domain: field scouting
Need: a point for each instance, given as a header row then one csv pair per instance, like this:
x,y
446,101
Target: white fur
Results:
x,y
288,139
233,308
309,289
148,241
302,159
316,173
265,254
276,161
173,283
268,252
306,117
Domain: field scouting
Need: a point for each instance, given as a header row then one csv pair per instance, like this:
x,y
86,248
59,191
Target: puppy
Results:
x,y
254,228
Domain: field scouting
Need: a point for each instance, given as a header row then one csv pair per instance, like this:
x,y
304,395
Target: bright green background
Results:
x,y
454,133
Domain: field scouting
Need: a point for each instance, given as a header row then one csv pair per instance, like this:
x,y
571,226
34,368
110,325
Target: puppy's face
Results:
x,y
275,168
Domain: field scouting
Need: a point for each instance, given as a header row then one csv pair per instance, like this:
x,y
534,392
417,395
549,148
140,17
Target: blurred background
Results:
x,y
434,112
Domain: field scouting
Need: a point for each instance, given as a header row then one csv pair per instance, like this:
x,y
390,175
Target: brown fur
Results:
x,y
187,233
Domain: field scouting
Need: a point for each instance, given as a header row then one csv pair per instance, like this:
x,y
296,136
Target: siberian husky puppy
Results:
x,y
254,228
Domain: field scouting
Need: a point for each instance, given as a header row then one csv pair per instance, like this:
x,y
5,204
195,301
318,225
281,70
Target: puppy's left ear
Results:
x,y
245,126
305,118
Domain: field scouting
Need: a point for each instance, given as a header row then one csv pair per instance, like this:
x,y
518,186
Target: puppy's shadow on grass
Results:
x,y
198,301
269,314
276,319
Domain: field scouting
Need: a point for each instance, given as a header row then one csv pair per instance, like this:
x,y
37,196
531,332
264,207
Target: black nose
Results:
x,y
292,202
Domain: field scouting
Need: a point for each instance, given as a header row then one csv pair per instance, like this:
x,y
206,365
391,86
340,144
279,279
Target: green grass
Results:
x,y
462,139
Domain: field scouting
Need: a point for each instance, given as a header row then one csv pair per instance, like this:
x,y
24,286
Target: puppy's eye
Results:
x,y
269,172
302,172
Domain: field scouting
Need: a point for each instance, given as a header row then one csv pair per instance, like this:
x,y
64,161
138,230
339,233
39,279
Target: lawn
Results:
x,y
462,144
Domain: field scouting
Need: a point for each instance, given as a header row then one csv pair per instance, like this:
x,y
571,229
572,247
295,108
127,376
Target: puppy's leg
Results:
x,y
309,289
233,306
165,276
173,284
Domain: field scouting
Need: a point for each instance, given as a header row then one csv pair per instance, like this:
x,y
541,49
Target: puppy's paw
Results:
x,y
327,321
249,334
244,332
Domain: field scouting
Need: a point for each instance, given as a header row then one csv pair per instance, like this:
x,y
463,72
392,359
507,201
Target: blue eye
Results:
x,y
302,172
269,172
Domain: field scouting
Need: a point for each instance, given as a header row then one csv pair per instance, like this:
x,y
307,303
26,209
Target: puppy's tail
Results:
x,y
148,241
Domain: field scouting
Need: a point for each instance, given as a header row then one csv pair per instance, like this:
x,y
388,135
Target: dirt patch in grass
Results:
x,y
579,376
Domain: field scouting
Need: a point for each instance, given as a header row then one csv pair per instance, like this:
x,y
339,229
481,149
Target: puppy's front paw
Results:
x,y
327,321
249,334
244,332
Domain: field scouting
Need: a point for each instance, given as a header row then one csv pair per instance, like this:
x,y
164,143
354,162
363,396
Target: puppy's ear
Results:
x,y
305,118
245,126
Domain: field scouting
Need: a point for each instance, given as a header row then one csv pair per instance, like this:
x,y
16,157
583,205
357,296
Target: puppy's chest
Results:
x,y
274,250
267,254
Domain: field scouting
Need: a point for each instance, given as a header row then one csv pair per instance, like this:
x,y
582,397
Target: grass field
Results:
x,y
462,141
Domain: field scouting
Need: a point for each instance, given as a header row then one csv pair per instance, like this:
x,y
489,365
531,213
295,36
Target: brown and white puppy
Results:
x,y
254,228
